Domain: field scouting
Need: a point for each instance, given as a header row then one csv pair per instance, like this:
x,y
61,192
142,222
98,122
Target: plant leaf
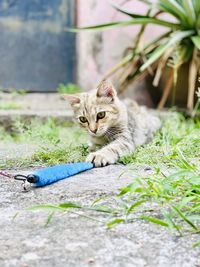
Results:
x,y
171,222
45,207
111,25
114,222
146,2
173,7
158,52
196,41
103,208
189,10
69,205
49,219
185,201
182,158
136,204
184,218
155,220
126,12
196,5
196,244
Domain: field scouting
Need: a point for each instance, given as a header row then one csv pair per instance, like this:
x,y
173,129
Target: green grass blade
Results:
x,y
154,220
49,218
114,222
184,218
69,205
44,207
136,204
185,201
196,244
171,222
184,161
103,208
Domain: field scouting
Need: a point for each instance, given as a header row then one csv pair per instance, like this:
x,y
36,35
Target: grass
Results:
x,y
67,143
168,195
9,105
69,88
58,143
177,134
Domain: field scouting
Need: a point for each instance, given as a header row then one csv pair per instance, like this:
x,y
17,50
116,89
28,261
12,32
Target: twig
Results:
x,y
160,67
166,91
193,70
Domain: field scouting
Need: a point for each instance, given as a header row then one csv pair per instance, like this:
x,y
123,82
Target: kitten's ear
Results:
x,y
72,99
106,89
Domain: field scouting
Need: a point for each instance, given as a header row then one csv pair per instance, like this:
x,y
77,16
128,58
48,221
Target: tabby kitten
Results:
x,y
115,127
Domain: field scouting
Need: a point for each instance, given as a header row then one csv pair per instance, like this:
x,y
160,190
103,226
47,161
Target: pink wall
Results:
x,y
99,51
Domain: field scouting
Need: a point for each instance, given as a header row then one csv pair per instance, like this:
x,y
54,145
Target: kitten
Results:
x,y
115,127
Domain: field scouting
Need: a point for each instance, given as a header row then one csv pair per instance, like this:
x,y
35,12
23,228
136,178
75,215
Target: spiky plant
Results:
x,y
180,44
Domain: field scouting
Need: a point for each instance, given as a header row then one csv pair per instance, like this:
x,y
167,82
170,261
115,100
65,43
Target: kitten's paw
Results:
x,y
99,160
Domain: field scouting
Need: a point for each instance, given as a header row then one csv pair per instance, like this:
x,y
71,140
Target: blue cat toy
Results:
x,y
53,174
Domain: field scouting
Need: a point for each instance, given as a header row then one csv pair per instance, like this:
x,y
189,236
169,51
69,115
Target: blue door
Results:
x,y
36,53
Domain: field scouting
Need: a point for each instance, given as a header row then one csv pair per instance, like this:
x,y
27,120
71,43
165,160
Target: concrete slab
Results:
x,y
74,241
35,101
34,105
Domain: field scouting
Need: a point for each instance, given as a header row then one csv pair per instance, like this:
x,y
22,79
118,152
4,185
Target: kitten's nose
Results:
x,y
93,130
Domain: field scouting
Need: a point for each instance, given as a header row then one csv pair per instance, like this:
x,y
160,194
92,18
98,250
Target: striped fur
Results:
x,y
125,125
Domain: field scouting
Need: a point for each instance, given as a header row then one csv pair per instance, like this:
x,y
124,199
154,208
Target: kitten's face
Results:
x,y
96,111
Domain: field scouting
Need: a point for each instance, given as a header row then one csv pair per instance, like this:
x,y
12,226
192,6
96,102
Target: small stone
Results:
x,y
147,168
91,260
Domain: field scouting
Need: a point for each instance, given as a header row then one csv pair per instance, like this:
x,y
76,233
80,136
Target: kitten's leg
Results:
x,y
91,147
110,153
95,144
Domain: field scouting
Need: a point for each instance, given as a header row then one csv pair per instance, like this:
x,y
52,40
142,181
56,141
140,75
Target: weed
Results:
x,y
9,105
176,134
16,92
69,88
58,143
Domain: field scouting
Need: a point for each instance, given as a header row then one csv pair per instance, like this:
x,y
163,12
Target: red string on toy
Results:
x,y
5,174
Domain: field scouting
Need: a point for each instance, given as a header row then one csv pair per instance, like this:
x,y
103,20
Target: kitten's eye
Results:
x,y
83,119
101,115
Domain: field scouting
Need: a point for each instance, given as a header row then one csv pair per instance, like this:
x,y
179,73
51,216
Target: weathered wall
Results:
x,y
35,52
99,51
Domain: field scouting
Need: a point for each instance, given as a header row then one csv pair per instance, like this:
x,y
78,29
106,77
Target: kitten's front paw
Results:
x,y
100,160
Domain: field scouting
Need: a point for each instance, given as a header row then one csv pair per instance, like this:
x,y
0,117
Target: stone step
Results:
x,y
33,105
9,117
